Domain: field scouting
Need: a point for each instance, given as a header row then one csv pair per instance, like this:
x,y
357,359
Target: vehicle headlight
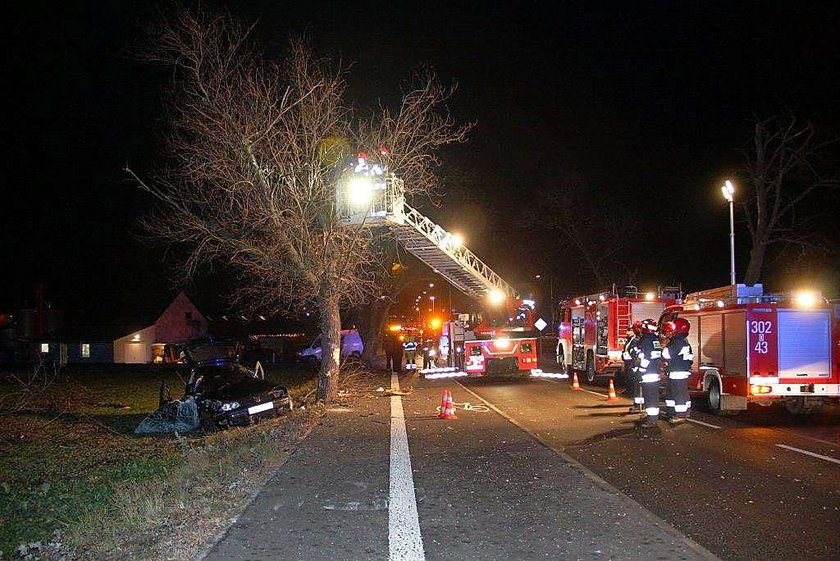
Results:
x,y
432,352
230,406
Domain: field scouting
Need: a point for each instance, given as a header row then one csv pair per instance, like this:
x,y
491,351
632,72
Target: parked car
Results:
x,y
352,346
227,393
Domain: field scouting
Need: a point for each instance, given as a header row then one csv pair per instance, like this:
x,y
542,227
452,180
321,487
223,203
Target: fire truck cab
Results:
x,y
753,347
593,328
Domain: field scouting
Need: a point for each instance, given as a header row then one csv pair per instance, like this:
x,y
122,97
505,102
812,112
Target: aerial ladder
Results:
x,y
368,196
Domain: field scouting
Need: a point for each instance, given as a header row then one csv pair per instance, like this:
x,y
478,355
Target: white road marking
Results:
x,y
404,540
710,425
807,453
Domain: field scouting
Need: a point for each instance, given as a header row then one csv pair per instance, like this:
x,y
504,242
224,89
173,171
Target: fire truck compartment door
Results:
x,y
645,310
804,344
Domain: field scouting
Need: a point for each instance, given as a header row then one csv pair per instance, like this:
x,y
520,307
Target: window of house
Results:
x,y
85,350
45,347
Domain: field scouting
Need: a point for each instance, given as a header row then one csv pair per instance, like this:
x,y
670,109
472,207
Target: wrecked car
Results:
x,y
227,393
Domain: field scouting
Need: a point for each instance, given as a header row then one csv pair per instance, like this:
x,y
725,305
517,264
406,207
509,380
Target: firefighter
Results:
x,y
393,353
427,353
680,356
649,357
410,348
631,375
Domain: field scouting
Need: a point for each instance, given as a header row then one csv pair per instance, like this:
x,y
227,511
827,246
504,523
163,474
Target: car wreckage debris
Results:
x,y
173,416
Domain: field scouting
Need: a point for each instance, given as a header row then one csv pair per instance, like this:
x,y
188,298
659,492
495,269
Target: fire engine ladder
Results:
x,y
440,250
622,317
430,243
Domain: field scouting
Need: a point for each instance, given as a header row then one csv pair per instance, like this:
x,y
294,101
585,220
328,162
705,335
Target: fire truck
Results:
x,y
754,347
593,328
502,344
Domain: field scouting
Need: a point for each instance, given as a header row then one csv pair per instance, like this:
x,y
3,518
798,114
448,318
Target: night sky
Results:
x,y
649,103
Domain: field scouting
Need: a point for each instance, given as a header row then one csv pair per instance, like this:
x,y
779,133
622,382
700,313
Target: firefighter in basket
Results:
x,y
649,356
680,356
631,375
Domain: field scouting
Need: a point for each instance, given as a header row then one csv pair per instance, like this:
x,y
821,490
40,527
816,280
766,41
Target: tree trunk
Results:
x,y
330,348
376,318
756,263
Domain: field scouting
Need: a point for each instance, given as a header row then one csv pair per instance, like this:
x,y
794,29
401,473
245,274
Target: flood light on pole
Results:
x,y
728,191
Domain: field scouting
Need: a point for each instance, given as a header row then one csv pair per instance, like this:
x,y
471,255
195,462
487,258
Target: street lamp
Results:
x,y
728,191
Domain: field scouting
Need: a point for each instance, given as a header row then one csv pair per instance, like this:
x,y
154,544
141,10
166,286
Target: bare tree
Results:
x,y
404,271
783,168
255,153
597,233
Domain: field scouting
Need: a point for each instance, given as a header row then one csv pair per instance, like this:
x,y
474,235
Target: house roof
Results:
x,y
92,334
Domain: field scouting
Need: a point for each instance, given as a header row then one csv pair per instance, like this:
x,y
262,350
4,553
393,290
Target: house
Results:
x,y
140,343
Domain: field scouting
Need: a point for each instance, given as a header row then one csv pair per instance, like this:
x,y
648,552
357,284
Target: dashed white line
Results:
x,y
404,540
807,453
710,425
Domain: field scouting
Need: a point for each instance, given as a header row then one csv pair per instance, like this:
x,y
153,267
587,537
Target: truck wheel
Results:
x,y
590,368
799,406
714,400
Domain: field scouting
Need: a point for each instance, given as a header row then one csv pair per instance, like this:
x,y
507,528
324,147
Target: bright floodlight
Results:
x,y
728,190
650,296
805,298
496,297
360,191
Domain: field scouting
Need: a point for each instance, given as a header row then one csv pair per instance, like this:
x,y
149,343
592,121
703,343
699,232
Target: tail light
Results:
x,y
756,389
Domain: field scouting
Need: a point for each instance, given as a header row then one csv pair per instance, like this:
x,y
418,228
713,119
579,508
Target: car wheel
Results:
x,y
207,423
589,374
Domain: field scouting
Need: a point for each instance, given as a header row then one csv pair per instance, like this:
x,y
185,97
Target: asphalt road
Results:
x,y
743,487
478,487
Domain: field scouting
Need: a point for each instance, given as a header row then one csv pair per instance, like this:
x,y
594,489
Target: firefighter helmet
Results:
x,y
679,326
637,327
648,326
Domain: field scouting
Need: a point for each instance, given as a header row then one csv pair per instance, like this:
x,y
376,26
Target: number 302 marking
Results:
x,y
761,328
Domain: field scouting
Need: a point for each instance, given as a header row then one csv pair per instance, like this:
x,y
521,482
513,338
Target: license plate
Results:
x,y
260,408
807,389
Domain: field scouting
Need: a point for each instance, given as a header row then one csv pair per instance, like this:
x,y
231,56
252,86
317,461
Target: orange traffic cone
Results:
x,y
449,412
442,407
612,396
575,383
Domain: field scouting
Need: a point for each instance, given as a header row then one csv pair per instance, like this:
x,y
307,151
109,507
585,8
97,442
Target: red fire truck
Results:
x,y
502,344
593,328
752,347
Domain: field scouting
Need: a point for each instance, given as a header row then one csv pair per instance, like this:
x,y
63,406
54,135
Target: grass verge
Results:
x,y
71,463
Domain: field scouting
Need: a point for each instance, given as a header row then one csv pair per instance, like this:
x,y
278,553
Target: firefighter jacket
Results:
x,y
410,346
680,357
631,349
649,356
